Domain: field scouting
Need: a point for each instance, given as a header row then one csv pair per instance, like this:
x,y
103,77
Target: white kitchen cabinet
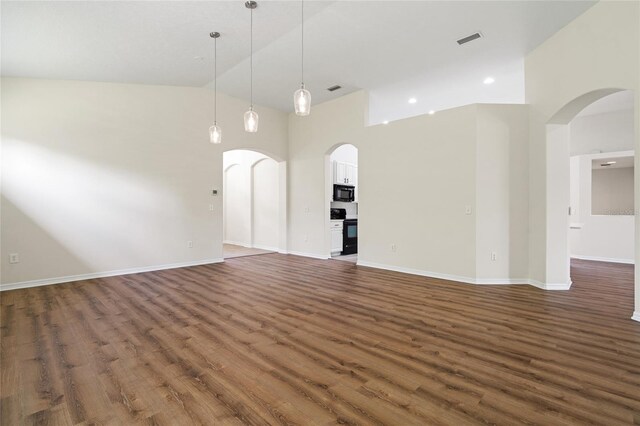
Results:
x,y
344,173
336,236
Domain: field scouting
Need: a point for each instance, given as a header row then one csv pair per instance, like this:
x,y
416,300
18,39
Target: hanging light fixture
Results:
x,y
215,132
302,97
251,117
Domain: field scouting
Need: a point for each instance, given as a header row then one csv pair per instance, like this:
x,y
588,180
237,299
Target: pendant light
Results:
x,y
215,133
251,117
302,97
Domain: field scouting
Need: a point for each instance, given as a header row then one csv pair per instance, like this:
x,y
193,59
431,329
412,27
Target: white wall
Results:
x,y
598,50
593,236
266,206
502,199
612,131
311,141
251,199
345,154
237,206
100,177
429,170
612,191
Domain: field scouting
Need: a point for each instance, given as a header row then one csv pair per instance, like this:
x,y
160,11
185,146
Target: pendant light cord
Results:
x,y
302,44
251,59
215,80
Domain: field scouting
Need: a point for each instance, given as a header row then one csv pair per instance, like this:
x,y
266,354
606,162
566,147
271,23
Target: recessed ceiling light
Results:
x,y
412,100
432,112
385,122
489,80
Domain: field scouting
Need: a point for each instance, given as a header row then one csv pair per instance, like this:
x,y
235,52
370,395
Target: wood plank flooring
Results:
x,y
277,339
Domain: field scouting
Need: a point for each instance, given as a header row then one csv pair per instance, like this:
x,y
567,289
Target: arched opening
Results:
x,y
254,203
590,168
341,195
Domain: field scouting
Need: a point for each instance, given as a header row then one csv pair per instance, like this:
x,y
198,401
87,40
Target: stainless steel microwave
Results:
x,y
345,193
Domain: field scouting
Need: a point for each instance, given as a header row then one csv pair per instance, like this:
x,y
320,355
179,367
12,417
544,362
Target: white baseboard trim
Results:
x,y
467,280
312,255
636,316
550,286
71,278
412,271
603,259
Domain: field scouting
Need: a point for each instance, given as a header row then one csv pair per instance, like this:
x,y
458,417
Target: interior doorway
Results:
x,y
590,169
254,206
342,198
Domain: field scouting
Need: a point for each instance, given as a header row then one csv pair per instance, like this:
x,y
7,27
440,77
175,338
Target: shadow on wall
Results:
x,y
51,253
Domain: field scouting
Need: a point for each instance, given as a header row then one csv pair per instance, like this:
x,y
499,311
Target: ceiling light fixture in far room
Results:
x,y
302,97
385,122
215,133
431,112
251,117
611,162
412,101
489,80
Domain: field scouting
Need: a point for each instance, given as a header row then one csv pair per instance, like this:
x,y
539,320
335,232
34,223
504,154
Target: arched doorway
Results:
x,y
569,216
254,203
342,201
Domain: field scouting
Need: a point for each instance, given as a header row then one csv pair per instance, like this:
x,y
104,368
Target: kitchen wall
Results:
x,y
311,142
416,191
101,178
594,55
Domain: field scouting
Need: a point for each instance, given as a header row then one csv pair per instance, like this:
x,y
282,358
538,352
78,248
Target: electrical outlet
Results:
x,y
393,248
14,258
190,244
494,256
306,209
467,210
210,207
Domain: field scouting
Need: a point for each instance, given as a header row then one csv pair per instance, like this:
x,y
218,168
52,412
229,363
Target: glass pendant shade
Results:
x,y
251,121
302,101
215,134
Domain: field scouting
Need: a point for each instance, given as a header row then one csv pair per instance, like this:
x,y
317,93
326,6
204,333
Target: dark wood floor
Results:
x,y
278,339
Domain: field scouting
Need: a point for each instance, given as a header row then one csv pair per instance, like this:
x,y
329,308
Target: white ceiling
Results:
x,y
394,49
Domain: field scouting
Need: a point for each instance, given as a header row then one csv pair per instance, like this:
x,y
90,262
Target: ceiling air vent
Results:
x,y
469,38
334,88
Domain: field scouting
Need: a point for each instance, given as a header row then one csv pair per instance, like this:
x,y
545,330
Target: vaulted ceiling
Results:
x,y
394,49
